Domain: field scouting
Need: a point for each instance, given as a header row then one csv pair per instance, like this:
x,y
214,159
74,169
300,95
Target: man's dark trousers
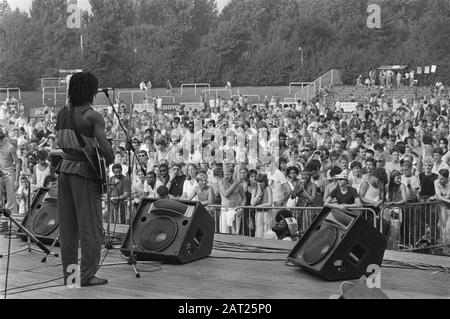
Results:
x,y
80,220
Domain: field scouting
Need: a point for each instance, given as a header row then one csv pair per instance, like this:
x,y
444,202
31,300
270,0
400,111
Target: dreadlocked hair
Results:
x,y
82,88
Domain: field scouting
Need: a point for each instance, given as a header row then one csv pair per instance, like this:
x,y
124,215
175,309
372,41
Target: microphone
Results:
x,y
105,90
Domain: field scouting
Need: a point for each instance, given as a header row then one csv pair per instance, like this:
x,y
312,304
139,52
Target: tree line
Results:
x,y
251,42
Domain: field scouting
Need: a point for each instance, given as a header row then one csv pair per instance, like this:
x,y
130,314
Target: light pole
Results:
x,y
135,66
300,49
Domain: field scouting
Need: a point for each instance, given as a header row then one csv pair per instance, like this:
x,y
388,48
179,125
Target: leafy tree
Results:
x,y
17,53
251,42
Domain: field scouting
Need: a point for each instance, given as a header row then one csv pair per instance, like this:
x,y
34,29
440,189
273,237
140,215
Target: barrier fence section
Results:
x,y
257,221
257,97
54,96
196,85
9,90
415,227
301,84
138,96
310,91
210,92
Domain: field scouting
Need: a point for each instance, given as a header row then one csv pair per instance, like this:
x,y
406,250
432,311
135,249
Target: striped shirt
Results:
x,y
74,160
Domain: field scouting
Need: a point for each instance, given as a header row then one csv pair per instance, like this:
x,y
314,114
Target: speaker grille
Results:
x,y
158,234
319,244
46,220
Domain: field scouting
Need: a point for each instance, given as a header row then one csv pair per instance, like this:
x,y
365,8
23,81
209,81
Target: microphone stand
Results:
x,y
31,237
132,260
108,240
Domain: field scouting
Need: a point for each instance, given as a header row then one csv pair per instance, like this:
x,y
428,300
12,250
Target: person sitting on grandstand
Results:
x,y
169,87
411,78
359,81
3,112
143,86
399,79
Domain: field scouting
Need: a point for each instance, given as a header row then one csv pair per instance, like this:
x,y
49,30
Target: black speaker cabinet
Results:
x,y
339,245
42,219
175,232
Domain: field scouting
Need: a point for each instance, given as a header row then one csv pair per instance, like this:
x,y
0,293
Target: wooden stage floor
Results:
x,y
236,274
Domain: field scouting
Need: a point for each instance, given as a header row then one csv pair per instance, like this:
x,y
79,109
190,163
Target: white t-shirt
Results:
x,y
152,191
414,186
41,175
3,112
437,168
189,188
277,180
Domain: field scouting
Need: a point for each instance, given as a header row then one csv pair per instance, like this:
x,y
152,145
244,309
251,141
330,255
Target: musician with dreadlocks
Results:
x,y
79,198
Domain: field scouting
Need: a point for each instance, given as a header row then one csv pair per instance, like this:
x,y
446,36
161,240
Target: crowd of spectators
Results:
x,y
388,78
383,155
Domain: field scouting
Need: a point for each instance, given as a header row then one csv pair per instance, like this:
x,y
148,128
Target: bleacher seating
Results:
x,y
361,94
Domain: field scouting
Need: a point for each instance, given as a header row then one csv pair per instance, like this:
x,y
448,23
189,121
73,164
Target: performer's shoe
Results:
x,y
94,281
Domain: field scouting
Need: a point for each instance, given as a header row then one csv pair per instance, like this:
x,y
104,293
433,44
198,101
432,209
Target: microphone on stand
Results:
x,y
7,214
105,90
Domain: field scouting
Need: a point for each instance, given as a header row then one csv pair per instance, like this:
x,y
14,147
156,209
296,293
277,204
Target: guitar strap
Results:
x,y
80,139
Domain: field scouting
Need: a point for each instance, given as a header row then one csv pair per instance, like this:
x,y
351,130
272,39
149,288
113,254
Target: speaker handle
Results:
x,y
159,211
170,205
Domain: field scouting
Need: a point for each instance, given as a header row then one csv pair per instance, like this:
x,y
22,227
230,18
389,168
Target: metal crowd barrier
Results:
x,y
417,227
257,221
414,227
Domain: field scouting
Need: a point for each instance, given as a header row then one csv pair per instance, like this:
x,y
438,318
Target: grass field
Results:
x,y
34,99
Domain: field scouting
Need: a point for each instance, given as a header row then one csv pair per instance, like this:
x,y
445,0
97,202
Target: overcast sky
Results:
x,y
25,4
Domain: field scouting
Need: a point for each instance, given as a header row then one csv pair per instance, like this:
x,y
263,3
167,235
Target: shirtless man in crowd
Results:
x,y
9,170
233,195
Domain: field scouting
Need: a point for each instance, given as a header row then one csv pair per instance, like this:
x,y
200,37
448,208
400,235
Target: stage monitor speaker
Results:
x,y
176,232
339,245
42,219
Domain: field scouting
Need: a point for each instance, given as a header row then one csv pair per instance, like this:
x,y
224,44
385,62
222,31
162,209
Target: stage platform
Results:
x,y
239,268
